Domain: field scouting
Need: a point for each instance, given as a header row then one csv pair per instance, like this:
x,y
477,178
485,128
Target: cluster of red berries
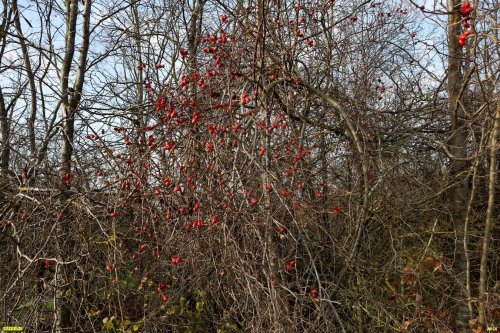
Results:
x,y
465,10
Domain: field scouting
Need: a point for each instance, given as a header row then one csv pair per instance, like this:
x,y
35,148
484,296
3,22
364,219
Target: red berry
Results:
x,y
109,268
466,11
465,8
169,145
66,178
176,260
198,223
209,147
245,98
194,119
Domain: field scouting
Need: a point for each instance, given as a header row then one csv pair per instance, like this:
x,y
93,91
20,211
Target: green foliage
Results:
x,y
195,315
113,325
110,325
131,281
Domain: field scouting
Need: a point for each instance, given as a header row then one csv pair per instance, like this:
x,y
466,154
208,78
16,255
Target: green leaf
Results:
x,y
200,305
126,323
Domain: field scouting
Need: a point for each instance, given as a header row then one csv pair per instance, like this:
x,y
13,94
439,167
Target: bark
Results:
x,y
475,171
68,114
459,194
31,79
483,270
4,116
5,127
70,101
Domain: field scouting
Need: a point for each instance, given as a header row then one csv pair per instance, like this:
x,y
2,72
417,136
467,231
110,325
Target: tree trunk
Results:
x,y
459,193
5,127
483,270
70,101
31,79
4,116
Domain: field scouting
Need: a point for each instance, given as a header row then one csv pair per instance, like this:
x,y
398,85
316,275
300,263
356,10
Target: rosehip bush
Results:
x,y
260,166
